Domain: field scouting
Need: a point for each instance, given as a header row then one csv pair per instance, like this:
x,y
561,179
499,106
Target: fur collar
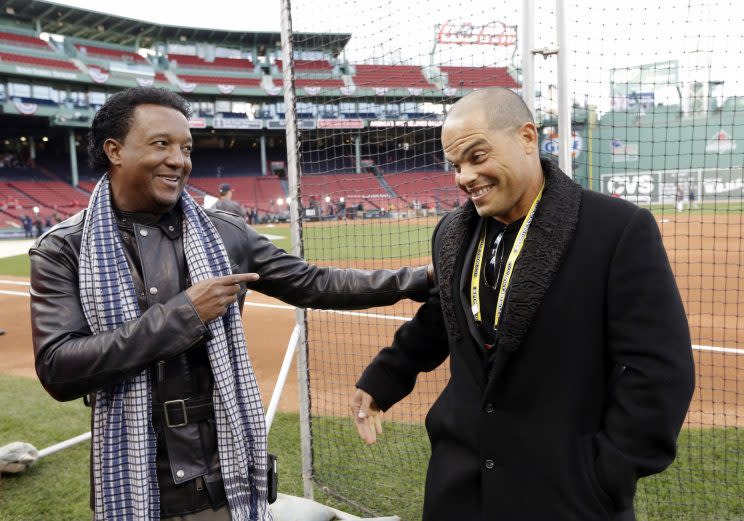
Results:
x,y
547,242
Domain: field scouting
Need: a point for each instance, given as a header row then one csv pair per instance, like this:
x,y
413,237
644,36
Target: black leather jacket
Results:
x,y
169,337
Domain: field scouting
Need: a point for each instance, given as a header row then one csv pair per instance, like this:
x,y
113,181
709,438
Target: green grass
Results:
x,y
374,240
56,487
710,208
17,266
705,483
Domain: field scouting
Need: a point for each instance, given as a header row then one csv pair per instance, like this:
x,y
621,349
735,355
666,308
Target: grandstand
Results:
x,y
56,76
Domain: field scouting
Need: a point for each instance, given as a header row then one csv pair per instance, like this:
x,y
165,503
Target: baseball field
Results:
x,y
704,248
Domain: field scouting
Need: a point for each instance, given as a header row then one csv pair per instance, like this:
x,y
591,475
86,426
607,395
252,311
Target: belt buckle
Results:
x,y
182,403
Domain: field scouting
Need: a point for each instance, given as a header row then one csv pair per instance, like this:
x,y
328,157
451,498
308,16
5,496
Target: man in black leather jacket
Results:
x,y
141,138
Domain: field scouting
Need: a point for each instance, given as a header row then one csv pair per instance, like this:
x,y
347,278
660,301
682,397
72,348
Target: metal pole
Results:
x,y
282,378
528,58
294,174
262,141
73,157
358,153
64,444
564,107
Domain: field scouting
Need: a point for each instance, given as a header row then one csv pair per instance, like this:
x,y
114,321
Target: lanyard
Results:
x,y
508,268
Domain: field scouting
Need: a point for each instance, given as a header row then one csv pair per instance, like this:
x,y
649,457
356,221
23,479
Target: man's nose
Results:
x,y
466,176
176,158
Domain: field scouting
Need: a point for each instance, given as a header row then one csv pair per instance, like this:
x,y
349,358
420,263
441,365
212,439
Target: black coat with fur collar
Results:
x,y
591,381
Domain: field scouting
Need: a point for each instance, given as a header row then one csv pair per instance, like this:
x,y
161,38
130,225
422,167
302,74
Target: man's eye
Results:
x,y
161,143
477,158
187,150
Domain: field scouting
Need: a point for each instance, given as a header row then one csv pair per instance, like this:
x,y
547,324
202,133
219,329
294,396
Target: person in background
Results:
x,y
226,203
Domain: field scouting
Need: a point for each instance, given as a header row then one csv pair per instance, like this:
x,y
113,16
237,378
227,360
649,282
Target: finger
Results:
x,y
371,434
378,423
237,278
364,408
361,428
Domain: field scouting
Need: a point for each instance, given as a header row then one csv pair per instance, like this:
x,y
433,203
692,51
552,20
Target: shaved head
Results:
x,y
502,108
491,141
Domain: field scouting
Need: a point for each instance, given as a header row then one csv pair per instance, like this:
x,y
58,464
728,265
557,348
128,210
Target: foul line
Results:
x,y
15,282
17,293
710,349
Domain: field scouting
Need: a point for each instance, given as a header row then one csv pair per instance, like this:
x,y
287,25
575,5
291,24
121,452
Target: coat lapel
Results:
x,y
453,248
548,239
464,283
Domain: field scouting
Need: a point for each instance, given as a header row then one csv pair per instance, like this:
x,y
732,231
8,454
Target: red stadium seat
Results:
x,y
220,80
470,77
308,65
22,40
391,76
110,54
194,62
35,60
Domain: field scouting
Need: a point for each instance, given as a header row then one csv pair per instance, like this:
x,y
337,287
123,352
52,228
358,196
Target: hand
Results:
x,y
212,297
366,416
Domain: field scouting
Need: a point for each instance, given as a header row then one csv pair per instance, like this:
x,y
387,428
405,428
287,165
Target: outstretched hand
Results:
x,y
212,297
367,416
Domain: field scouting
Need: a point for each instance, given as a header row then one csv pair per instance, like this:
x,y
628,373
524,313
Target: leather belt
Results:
x,y
178,413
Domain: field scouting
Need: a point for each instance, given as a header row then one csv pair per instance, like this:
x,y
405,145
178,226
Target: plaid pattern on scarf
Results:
x,y
124,442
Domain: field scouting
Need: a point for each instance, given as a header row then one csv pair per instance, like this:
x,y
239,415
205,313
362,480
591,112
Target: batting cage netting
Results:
x,y
656,105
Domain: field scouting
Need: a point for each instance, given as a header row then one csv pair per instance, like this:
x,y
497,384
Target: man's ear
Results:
x,y
112,149
529,136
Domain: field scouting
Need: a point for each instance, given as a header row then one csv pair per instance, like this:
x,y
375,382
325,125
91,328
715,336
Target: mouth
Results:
x,y
478,193
171,180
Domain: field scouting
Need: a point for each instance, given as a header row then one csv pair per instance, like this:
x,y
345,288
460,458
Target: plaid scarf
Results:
x,y
124,442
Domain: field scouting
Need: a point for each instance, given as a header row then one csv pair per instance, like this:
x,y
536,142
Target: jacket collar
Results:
x,y
169,223
547,242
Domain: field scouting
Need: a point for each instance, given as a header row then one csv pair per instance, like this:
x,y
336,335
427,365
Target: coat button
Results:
x,y
143,233
489,408
180,473
489,464
171,228
153,290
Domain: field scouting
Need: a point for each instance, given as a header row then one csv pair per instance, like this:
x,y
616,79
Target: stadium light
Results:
x,y
328,198
280,202
341,200
45,139
23,139
36,209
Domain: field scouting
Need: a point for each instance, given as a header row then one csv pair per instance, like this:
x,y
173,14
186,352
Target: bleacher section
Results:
x,y
103,53
430,188
362,188
220,80
22,40
183,61
251,192
26,59
370,76
308,65
472,77
14,202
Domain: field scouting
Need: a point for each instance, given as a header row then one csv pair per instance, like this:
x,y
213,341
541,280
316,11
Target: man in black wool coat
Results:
x,y
570,356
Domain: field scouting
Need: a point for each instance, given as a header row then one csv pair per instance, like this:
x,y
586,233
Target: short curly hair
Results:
x,y
114,119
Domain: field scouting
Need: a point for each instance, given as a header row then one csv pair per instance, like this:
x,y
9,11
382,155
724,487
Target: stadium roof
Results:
x,y
92,25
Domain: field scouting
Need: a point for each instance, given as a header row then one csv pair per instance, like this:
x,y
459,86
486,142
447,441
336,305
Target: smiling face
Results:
x,y
499,170
150,167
